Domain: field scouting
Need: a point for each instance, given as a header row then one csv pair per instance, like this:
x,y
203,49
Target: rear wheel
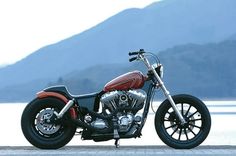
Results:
x,y
189,135
39,124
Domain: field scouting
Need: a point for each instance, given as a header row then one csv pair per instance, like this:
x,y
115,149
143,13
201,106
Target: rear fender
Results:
x,y
44,94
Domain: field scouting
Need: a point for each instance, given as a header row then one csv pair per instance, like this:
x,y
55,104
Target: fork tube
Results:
x,y
168,96
166,92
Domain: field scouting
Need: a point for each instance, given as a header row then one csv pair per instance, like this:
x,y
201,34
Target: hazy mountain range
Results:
x,y
194,37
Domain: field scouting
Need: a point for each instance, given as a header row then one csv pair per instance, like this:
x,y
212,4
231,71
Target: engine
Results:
x,y
126,104
133,100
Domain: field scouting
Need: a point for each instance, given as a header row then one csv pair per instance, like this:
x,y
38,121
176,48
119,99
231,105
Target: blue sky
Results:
x,y
28,25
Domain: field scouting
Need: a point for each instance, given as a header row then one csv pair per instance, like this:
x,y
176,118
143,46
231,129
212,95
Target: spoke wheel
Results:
x,y
177,135
187,131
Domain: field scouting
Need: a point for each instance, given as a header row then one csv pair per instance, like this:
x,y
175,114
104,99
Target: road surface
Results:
x,y
122,151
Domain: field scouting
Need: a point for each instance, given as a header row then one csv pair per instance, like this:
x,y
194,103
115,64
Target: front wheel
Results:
x,y
37,126
173,133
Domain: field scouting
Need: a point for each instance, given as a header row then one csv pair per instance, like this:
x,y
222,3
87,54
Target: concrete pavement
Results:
x,y
122,151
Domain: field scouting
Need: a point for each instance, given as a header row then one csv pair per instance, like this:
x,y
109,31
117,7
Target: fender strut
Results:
x,y
43,94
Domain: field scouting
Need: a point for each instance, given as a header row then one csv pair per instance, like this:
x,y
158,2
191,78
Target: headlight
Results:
x,y
159,69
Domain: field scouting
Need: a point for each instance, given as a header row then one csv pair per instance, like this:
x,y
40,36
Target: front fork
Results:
x,y
161,84
168,96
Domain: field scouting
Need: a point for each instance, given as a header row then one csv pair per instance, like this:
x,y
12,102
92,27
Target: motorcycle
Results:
x,y
51,120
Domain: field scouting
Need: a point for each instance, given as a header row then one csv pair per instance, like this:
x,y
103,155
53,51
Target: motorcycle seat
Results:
x,y
64,91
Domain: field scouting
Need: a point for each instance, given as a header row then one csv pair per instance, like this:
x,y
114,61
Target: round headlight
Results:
x,y
161,71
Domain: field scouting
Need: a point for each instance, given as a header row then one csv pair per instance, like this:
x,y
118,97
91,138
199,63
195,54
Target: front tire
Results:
x,y
190,135
39,131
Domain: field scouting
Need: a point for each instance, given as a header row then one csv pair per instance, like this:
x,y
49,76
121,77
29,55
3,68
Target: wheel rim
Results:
x,y
44,125
185,132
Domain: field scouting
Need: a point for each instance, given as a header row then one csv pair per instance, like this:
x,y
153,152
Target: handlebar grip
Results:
x,y
132,59
133,53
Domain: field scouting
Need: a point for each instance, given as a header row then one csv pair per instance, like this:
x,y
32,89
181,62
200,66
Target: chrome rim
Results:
x,y
43,122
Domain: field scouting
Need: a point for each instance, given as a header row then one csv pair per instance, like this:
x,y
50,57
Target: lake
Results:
x,y
223,130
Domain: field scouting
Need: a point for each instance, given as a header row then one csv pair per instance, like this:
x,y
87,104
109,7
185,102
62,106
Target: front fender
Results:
x,y
44,94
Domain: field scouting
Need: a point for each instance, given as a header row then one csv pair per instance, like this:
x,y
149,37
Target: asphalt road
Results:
x,y
122,151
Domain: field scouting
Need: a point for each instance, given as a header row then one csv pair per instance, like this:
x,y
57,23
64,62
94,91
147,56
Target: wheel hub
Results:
x,y
176,123
44,122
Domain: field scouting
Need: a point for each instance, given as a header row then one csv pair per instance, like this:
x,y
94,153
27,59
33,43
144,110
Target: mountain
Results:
x,y
207,71
204,70
232,37
159,26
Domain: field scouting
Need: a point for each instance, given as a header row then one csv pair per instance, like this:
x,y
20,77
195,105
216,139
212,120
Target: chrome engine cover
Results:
x,y
99,123
125,121
138,97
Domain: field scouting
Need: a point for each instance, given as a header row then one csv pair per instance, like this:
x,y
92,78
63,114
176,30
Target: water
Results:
x,y
223,131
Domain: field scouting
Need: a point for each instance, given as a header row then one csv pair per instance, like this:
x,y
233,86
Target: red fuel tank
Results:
x,y
131,80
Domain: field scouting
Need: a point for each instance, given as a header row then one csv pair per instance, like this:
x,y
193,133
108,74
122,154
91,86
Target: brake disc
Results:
x,y
43,122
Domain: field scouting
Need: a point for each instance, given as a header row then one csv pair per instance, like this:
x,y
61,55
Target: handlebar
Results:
x,y
133,53
132,59
141,55
141,51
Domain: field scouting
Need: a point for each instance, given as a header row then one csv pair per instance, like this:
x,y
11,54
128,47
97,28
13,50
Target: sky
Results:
x,y
27,25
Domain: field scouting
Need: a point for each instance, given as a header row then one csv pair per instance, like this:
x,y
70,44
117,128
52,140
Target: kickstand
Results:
x,y
117,143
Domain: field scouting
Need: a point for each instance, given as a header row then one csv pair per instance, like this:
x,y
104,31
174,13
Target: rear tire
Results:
x,y
187,136
42,134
